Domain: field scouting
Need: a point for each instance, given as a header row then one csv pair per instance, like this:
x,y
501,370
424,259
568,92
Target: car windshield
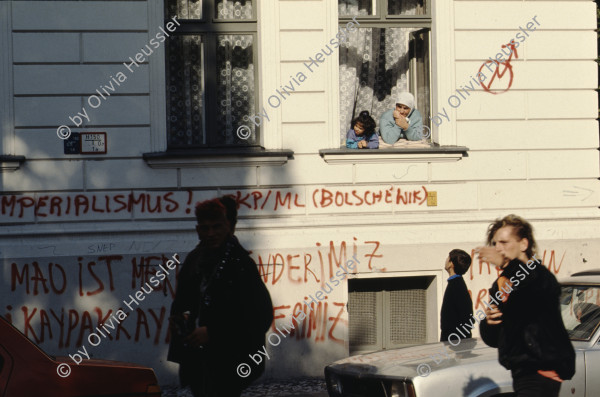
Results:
x,y
580,307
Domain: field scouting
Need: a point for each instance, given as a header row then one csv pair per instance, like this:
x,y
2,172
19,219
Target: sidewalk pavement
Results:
x,y
301,387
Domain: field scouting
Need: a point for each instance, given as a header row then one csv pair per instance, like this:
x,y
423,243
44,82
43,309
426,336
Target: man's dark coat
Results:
x,y
532,335
222,290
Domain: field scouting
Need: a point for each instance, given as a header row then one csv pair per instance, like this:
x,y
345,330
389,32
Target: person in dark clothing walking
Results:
x,y
523,318
222,309
457,306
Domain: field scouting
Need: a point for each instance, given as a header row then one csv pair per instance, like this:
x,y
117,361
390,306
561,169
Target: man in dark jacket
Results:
x,y
523,318
221,310
457,306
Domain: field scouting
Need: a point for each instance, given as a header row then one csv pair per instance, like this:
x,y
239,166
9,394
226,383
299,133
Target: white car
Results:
x,y
471,368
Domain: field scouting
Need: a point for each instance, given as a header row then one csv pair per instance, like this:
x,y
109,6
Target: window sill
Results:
x,y
10,163
228,157
433,154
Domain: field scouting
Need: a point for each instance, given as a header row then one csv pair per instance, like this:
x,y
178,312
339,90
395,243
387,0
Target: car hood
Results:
x,y
436,369
99,363
106,377
61,377
410,362
27,371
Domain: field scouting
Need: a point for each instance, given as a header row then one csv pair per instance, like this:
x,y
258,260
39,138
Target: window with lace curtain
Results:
x,y
211,73
387,54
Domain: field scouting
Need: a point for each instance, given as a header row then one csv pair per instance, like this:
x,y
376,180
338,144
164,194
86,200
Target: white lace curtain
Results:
x,y
225,9
373,71
234,71
365,7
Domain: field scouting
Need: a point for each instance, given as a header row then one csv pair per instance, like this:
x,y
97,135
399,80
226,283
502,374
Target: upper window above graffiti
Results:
x,y
351,8
385,53
211,74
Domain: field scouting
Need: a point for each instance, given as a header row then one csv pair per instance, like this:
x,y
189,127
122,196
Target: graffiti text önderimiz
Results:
x,y
244,370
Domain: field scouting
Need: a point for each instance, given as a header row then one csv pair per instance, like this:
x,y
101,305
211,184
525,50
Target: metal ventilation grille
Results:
x,y
362,312
408,314
389,312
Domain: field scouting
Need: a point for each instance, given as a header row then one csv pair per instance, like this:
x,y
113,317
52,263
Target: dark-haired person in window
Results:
x,y
523,318
403,122
221,310
457,306
362,134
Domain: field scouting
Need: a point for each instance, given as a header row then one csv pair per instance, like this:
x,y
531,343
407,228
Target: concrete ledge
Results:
x,y
403,155
10,163
227,157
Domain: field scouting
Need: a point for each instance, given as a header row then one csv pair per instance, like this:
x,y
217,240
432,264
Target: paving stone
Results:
x,y
301,387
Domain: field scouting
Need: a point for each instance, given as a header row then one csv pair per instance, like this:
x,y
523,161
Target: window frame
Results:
x,y
437,152
9,161
209,27
7,128
270,151
383,20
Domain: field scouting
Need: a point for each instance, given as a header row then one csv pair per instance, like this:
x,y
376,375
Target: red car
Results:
x,y
27,371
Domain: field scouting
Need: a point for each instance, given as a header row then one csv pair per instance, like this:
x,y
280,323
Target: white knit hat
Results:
x,y
406,98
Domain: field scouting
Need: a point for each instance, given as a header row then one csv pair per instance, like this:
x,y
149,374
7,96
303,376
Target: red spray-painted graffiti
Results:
x,y
482,294
252,200
321,322
391,195
93,277
69,326
96,276
88,278
500,74
121,205
300,271
81,204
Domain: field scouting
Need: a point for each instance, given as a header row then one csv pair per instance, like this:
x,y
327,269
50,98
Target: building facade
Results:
x,y
166,103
